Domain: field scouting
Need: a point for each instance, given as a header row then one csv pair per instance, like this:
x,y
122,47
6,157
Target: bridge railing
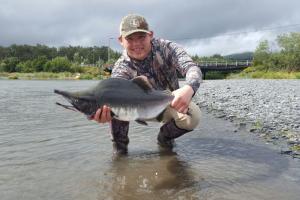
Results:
x,y
225,63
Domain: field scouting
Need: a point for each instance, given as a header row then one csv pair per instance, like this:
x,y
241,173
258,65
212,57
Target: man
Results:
x,y
158,60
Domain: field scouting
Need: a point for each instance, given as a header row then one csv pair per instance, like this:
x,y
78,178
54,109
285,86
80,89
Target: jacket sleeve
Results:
x,y
121,69
185,65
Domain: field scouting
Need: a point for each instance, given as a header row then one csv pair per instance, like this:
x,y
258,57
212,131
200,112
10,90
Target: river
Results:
x,y
47,152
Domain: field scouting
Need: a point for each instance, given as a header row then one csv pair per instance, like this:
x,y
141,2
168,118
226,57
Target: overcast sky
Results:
x,y
203,27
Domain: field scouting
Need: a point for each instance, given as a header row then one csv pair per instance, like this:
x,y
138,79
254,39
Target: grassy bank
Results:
x,y
55,76
247,73
251,72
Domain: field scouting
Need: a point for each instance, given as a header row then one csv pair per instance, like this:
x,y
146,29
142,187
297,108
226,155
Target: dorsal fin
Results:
x,y
142,81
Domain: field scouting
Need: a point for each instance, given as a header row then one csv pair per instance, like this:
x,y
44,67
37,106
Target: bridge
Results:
x,y
207,66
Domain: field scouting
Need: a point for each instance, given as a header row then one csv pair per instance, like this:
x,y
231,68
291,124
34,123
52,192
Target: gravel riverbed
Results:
x,y
268,108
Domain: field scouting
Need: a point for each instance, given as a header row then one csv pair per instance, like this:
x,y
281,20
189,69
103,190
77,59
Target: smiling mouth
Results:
x,y
138,50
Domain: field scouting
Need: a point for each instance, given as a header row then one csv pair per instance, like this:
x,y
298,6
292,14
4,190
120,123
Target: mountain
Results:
x,y
240,56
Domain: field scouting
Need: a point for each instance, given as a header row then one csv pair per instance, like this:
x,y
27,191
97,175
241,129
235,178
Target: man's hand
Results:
x,y
103,115
182,98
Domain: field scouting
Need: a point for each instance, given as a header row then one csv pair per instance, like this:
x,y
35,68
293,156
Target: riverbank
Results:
x,y
252,72
267,108
53,76
92,74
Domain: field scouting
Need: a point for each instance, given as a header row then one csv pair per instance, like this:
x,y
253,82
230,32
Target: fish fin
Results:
x,y
112,114
142,122
142,82
159,117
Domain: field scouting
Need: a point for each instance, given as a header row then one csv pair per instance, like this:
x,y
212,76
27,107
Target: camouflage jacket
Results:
x,y
160,66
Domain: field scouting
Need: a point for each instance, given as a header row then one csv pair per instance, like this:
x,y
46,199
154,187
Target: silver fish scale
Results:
x,y
134,112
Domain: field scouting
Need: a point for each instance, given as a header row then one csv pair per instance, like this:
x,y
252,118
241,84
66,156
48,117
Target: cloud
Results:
x,y
228,43
206,24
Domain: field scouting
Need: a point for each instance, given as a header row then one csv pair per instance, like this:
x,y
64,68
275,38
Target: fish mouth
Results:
x,y
69,107
63,93
78,104
73,108
69,98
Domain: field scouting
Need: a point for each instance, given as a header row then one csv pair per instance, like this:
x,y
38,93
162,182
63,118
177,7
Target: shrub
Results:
x,y
9,64
58,64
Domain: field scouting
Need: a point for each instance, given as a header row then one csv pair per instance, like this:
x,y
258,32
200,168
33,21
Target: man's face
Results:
x,y
137,45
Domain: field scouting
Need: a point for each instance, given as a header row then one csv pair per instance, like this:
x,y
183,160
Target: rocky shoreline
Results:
x,y
267,108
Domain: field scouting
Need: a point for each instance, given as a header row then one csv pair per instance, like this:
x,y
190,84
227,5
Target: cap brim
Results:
x,y
134,31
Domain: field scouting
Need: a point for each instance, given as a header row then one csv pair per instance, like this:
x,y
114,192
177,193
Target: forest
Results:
x,y
283,56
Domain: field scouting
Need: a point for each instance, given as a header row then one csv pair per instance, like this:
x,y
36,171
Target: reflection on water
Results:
x,y
158,175
47,152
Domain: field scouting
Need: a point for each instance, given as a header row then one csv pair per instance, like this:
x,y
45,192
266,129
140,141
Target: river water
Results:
x,y
47,152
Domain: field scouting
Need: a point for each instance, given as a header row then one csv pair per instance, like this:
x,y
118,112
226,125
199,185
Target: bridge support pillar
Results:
x,y
203,75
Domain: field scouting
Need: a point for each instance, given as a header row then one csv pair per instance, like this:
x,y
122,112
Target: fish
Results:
x,y
129,100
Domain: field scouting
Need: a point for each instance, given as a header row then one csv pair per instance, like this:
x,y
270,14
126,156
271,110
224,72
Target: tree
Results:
x,y
290,49
58,64
27,58
4,52
26,67
38,63
77,58
262,53
10,64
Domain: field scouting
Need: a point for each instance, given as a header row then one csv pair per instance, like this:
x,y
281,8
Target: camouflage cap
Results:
x,y
133,23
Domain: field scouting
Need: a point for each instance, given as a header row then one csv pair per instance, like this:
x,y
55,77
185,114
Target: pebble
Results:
x,y
267,106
